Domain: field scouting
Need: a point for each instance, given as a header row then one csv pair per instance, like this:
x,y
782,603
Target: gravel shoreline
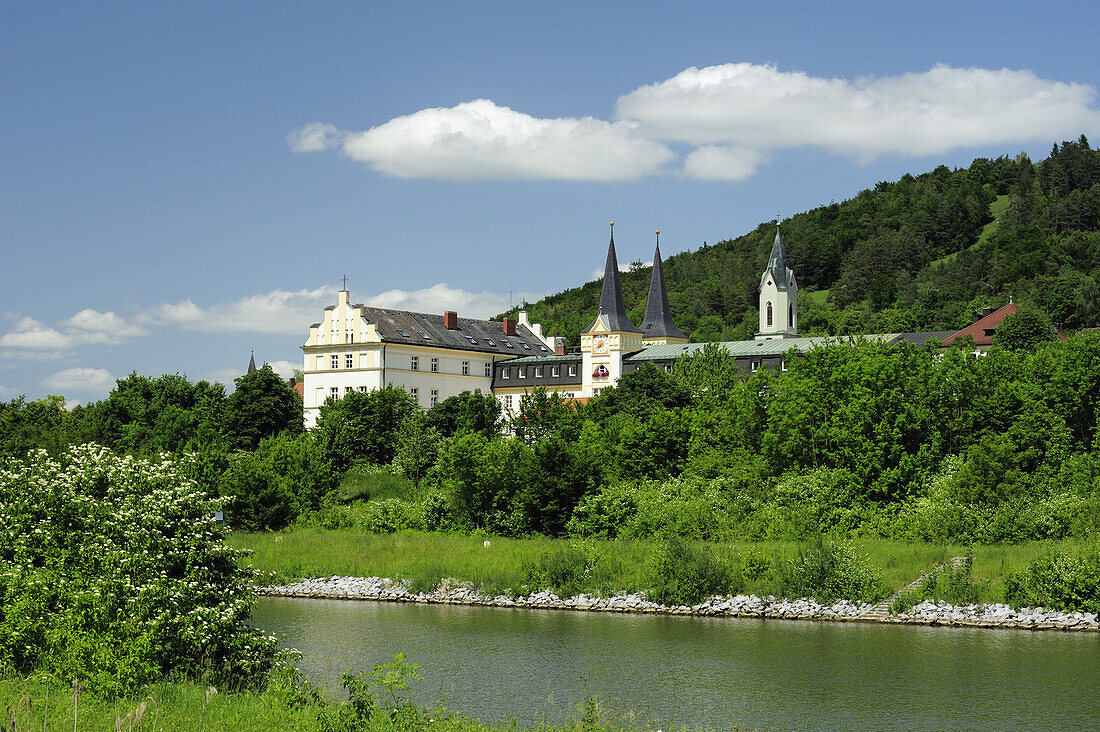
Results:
x,y
743,606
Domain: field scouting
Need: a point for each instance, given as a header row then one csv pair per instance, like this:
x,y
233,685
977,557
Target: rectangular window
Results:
x,y
522,372
435,365
435,397
334,362
488,370
490,342
415,394
414,363
508,402
538,372
755,365
555,371
363,389
349,361
506,373
347,390
334,392
465,368
572,369
507,344
525,346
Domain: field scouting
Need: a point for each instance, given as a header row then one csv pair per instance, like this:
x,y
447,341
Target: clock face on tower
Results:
x,y
599,344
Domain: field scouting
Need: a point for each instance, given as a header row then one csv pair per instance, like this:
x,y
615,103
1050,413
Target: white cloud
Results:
x,y
5,392
722,162
442,297
760,108
91,324
284,369
86,327
481,140
278,311
80,379
314,137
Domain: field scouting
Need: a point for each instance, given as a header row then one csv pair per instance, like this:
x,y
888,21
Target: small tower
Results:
x,y
657,328
778,296
251,362
611,335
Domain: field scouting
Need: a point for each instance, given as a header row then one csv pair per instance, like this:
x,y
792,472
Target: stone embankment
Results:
x,y
745,606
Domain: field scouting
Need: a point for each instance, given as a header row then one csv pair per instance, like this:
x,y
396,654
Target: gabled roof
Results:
x,y
777,268
427,329
612,312
982,330
658,316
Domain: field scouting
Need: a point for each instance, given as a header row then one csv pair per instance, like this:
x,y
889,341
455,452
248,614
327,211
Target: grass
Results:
x,y
365,482
32,704
506,564
997,210
35,705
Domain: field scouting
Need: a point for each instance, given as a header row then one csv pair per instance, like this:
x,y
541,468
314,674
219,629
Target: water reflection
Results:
x,y
538,666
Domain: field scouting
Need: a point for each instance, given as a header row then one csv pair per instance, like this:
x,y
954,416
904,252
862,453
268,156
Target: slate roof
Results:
x,y
549,358
777,268
251,363
743,349
488,334
658,316
612,311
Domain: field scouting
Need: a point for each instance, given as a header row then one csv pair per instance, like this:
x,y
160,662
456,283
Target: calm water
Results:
x,y
534,666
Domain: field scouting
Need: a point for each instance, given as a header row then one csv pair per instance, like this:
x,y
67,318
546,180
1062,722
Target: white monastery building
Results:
x,y
433,357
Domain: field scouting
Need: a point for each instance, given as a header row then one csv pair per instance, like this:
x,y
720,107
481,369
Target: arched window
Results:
x,y
790,315
769,312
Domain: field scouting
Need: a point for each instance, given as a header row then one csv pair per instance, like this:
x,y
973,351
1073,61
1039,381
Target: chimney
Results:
x,y
509,326
559,346
450,320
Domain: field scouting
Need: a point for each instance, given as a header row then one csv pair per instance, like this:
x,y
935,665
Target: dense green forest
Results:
x,y
917,254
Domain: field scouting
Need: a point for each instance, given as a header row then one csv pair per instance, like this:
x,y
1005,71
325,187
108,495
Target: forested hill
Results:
x,y
917,254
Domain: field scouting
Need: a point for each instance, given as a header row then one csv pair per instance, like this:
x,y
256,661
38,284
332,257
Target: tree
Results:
x,y
466,412
263,405
418,446
640,393
543,414
363,426
1023,330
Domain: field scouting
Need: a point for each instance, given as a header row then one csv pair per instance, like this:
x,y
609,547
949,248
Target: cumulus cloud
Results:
x,y
722,162
314,137
442,297
80,379
86,327
761,108
278,311
481,140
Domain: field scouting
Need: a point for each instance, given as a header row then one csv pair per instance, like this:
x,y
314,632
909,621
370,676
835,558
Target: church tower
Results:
x,y
657,328
778,296
611,335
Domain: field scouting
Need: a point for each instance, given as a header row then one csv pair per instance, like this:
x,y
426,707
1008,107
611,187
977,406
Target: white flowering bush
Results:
x,y
114,573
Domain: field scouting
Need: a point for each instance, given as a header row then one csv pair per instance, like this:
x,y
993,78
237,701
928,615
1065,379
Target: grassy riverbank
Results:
x,y
32,704
424,559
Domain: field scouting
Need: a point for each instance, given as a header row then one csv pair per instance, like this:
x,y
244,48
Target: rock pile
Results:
x,y
745,606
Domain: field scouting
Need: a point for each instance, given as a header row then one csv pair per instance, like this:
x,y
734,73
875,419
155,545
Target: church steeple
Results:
x,y
251,362
658,328
777,267
612,312
778,295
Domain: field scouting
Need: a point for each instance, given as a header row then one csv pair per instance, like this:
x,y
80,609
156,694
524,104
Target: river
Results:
x,y
669,671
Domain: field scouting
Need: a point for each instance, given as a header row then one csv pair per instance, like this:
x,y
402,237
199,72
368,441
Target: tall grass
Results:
x,y
424,559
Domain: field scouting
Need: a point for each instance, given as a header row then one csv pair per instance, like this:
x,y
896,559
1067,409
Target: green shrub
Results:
x,y
952,583
114,573
567,571
905,601
1059,581
365,482
828,572
390,516
683,573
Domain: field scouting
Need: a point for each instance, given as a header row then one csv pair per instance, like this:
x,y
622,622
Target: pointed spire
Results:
x,y
658,315
251,362
612,309
777,263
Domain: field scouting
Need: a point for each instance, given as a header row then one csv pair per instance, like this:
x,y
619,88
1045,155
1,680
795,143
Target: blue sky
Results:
x,y
181,182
